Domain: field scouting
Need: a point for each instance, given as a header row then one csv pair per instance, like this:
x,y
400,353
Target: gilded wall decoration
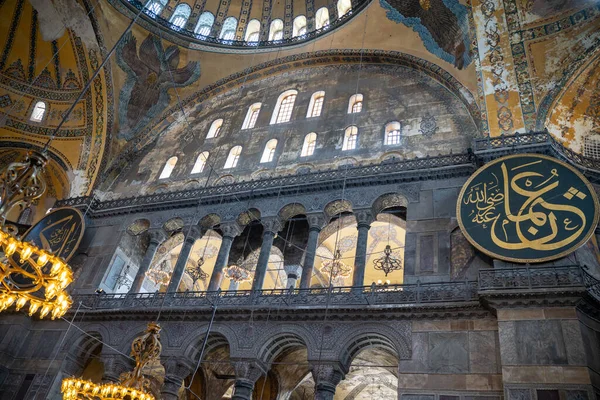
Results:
x,y
150,74
442,25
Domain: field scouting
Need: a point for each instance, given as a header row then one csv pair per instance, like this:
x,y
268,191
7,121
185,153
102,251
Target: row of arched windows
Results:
x,y
283,110
350,142
206,20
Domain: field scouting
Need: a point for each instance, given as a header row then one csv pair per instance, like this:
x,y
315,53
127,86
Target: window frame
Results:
x,y
280,99
40,104
324,22
298,26
250,120
320,95
355,99
276,28
202,22
228,28
215,128
200,160
350,137
179,14
343,11
159,3
308,148
233,159
167,170
251,30
268,154
392,140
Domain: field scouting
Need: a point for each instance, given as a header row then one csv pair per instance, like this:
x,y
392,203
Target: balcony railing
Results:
x,y
523,279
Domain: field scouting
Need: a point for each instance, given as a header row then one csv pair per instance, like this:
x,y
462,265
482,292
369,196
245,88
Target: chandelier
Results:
x,y
336,267
28,274
160,275
388,262
237,273
132,385
195,271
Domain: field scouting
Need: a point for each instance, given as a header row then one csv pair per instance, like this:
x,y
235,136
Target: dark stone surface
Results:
x,y
519,394
540,343
448,352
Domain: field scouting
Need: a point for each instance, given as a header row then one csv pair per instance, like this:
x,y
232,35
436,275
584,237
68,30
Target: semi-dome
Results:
x,y
241,25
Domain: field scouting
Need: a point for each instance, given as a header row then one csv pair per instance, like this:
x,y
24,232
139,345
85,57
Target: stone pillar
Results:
x,y
247,373
233,285
363,221
271,227
115,364
315,224
293,273
157,236
176,370
230,231
191,235
326,376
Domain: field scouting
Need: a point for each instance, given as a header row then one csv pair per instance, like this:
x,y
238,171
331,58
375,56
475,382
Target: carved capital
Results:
x,y
316,221
326,376
293,269
192,233
364,218
115,364
271,224
230,229
248,370
176,370
157,236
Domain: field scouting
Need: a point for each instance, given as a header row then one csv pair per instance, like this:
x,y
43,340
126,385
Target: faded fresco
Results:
x,y
150,74
442,25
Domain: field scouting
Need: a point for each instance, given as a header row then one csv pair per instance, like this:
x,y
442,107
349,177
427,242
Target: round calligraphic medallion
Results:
x,y
527,208
58,232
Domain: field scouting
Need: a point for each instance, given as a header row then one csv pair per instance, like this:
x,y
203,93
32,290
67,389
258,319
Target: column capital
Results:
x,y
230,229
271,224
157,236
177,366
327,375
192,233
293,269
316,221
364,217
115,364
249,370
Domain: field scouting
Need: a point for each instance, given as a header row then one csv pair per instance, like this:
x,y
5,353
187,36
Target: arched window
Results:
x,y
228,29
200,163
181,15
251,116
308,148
269,152
393,132
156,6
316,104
355,104
168,169
284,107
343,6
276,30
37,115
205,23
350,138
322,18
253,31
215,128
299,27
233,157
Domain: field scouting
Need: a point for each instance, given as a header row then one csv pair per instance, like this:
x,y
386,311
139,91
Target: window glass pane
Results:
x,y
308,148
285,110
234,156
39,109
317,107
200,163
168,169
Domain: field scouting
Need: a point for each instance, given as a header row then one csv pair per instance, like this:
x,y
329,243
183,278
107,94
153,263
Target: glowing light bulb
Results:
x,y
33,307
26,252
11,247
45,310
21,302
42,259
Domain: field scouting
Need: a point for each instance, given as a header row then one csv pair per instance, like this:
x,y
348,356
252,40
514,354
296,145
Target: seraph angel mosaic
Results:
x,y
150,74
527,208
443,26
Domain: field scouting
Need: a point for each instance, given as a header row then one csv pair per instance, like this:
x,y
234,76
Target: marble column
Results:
x,y
157,236
176,370
326,377
363,221
315,223
271,227
230,231
293,273
247,372
115,364
191,235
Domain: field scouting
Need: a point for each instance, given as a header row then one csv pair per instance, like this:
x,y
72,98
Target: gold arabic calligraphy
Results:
x,y
494,201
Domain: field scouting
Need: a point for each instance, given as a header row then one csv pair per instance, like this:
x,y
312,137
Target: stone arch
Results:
x,y
390,155
138,226
388,200
336,207
81,350
378,335
156,189
290,210
245,217
210,221
173,225
223,335
284,337
225,180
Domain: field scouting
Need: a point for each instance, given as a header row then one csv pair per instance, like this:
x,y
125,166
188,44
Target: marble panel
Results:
x,y
506,335
540,343
519,394
574,342
482,352
444,202
448,352
418,397
424,208
576,395
420,354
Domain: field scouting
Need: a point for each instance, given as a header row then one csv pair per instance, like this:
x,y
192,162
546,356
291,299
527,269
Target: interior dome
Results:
x,y
241,24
